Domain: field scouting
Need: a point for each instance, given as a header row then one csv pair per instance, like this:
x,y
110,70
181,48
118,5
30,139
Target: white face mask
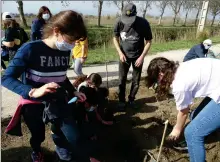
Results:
x,y
206,46
64,46
46,16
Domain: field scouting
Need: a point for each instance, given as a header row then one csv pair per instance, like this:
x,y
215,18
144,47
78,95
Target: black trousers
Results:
x,y
32,114
136,76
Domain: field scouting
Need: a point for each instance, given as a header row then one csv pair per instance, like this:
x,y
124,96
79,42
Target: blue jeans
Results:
x,y
65,134
78,66
206,122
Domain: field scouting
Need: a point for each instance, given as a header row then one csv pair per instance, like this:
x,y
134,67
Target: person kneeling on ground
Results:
x,y
201,81
94,80
88,121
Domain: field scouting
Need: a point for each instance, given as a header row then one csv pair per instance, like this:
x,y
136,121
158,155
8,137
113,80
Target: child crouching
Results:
x,y
94,81
88,122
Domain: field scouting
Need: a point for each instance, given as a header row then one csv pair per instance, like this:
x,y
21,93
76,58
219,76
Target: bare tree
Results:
x,y
214,7
162,6
176,6
99,5
144,6
99,11
21,13
65,3
120,4
197,6
187,6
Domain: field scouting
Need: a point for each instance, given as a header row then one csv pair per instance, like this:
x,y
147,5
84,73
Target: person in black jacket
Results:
x,y
14,37
43,16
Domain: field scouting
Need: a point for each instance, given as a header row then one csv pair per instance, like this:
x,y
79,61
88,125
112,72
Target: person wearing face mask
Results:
x,y
45,63
104,114
88,121
198,51
43,16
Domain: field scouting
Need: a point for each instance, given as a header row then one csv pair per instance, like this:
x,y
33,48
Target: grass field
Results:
x,y
97,56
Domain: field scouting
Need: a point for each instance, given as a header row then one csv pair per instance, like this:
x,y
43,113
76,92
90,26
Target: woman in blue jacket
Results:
x,y
43,16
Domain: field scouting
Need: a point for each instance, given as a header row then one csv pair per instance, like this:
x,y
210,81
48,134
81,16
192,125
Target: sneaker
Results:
x,y
121,106
181,146
133,105
63,153
37,157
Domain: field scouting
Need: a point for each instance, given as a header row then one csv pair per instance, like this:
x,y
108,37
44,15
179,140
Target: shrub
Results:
x,y
97,36
203,35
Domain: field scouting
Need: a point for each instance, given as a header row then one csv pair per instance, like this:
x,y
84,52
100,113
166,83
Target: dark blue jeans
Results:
x,y
65,134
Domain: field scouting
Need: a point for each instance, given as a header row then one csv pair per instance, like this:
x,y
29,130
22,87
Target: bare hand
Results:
x,y
175,134
139,61
80,95
122,57
45,89
83,59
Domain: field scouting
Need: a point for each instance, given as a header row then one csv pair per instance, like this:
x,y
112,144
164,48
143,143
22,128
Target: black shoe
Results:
x,y
121,106
181,146
133,105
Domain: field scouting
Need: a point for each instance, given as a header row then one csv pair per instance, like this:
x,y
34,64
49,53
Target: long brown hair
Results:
x,y
42,10
165,66
69,23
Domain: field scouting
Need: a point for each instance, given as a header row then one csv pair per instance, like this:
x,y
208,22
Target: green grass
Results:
x,y
97,56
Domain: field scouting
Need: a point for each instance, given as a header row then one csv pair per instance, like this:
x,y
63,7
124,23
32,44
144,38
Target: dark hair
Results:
x,y
165,66
69,23
9,23
95,79
42,10
91,95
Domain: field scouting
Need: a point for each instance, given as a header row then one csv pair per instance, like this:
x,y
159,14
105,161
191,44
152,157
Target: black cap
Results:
x,y
129,13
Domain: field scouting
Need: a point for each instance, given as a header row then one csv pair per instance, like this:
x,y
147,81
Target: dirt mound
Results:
x,y
135,134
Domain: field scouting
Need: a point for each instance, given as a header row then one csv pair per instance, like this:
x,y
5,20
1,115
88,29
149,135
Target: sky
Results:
x,y
85,7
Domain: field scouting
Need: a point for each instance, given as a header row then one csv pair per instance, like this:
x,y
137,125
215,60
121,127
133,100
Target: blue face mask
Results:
x,y
64,46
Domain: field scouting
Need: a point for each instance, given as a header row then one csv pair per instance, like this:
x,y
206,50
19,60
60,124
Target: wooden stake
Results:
x,y
106,66
162,141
